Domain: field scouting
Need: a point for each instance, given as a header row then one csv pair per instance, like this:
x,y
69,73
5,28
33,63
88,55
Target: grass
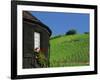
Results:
x,y
70,50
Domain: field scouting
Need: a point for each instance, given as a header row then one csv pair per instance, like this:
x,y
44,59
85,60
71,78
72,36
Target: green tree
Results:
x,y
71,32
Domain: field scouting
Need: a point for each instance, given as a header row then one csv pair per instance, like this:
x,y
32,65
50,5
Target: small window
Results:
x,y
36,40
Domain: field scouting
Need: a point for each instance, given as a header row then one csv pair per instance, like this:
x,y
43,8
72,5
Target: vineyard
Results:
x,y
69,50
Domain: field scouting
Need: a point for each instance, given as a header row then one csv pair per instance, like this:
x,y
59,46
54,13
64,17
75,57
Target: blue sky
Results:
x,y
60,23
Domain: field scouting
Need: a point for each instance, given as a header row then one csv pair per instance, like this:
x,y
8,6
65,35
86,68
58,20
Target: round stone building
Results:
x,y
36,45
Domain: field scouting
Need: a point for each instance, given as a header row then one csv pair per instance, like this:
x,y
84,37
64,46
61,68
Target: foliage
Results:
x,y
42,59
86,32
71,32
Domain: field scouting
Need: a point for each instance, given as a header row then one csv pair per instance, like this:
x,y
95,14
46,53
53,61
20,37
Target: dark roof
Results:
x,y
29,17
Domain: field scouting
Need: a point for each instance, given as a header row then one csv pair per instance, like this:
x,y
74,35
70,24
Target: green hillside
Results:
x,y
69,50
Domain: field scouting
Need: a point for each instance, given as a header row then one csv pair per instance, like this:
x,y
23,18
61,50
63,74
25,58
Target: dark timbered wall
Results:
x,y
28,43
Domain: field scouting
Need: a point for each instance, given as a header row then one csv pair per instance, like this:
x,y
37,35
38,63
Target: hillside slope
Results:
x,y
72,50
